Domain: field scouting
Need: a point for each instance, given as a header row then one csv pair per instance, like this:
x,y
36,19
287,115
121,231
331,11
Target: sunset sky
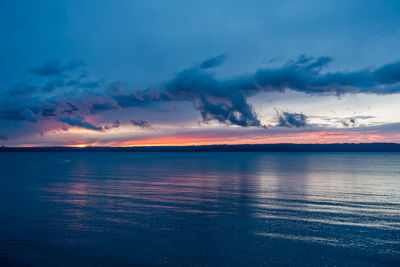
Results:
x,y
125,73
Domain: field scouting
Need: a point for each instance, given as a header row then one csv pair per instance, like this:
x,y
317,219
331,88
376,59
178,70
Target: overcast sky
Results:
x,y
198,72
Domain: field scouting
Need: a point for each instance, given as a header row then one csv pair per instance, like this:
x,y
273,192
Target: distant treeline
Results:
x,y
369,147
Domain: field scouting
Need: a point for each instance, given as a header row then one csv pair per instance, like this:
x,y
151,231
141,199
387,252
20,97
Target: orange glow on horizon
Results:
x,y
215,138
322,137
79,145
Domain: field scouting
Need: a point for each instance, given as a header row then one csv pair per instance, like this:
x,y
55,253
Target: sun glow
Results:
x,y
78,145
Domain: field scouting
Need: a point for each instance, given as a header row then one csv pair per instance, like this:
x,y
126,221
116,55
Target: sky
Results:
x,y
129,73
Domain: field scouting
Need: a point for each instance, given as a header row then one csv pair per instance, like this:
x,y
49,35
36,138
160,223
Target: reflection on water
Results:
x,y
200,208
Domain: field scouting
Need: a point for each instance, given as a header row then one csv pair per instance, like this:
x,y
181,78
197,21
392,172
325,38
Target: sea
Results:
x,y
199,209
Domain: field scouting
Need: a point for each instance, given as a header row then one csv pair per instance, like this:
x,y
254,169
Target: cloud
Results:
x,y
79,121
354,120
100,107
287,119
23,89
85,84
55,67
305,75
48,68
23,114
222,100
213,62
116,124
388,74
57,75
141,124
70,109
225,101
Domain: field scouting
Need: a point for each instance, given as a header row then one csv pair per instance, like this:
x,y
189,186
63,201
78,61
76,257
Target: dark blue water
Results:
x,y
213,209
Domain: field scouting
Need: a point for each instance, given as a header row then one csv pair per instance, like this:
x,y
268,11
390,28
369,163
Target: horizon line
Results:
x,y
197,145
281,147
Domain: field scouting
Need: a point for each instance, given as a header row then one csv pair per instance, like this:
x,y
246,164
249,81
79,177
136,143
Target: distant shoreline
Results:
x,y
363,147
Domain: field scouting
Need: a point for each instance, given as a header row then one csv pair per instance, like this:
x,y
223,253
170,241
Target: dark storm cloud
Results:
x,y
100,107
13,115
13,111
55,67
388,74
53,84
305,75
23,89
57,75
226,100
287,119
87,84
54,76
213,62
79,121
221,100
71,108
141,124
68,108
48,68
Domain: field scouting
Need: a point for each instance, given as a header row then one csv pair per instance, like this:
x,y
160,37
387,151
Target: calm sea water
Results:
x,y
213,209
